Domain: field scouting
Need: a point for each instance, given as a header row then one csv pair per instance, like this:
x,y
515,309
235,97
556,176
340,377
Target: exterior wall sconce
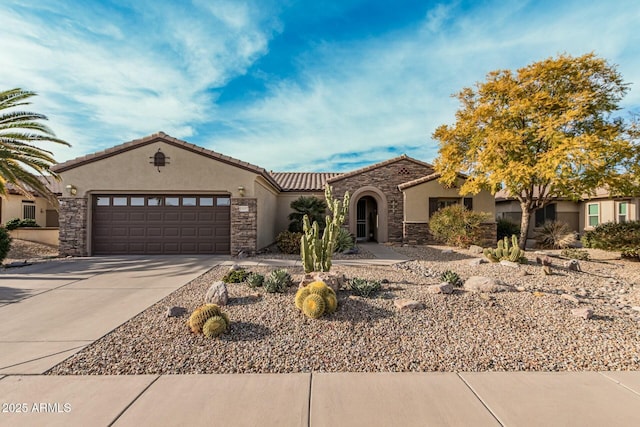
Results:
x,y
72,190
241,191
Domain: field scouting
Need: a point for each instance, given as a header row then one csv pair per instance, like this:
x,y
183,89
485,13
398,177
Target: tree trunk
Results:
x,y
524,225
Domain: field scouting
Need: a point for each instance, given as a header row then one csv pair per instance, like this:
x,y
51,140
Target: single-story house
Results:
x,y
582,215
162,195
18,205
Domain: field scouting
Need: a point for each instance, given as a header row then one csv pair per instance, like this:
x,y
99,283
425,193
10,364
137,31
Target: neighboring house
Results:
x,y
36,207
161,195
581,215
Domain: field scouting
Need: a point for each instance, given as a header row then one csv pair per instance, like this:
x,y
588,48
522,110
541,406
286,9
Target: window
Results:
x,y
188,201
28,209
154,201
593,214
623,209
119,201
103,201
468,203
548,213
223,201
436,203
172,201
137,201
206,201
159,159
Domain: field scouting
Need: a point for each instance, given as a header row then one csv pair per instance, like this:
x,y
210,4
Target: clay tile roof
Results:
x,y
418,181
302,181
161,136
54,186
378,165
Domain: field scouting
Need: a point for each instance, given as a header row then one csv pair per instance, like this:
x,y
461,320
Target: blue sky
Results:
x,y
288,85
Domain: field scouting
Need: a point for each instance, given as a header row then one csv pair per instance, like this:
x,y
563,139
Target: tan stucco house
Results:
x,y
15,204
162,195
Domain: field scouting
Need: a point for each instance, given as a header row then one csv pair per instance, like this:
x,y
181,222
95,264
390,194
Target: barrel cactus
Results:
x,y
199,321
316,299
214,326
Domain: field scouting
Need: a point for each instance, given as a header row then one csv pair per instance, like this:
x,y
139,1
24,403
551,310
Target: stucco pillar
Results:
x,y
73,226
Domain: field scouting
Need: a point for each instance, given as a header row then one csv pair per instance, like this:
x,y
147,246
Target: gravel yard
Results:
x,y
532,329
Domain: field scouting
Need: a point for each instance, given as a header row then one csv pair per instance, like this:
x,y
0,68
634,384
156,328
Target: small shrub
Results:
x,y
457,226
288,242
555,235
28,223
631,254
5,243
364,288
507,228
235,276
451,277
614,237
573,253
344,241
255,280
278,281
12,224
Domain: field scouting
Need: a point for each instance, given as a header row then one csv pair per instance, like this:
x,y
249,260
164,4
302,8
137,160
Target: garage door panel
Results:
x,y
180,229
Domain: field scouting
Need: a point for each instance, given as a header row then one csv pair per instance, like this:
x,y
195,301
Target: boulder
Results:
x,y
475,249
217,294
570,298
442,288
404,304
447,251
547,270
544,260
572,265
175,311
334,280
476,261
486,284
509,264
586,312
234,267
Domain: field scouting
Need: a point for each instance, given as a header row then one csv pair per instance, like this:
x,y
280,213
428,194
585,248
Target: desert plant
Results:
x,y
278,281
12,224
255,280
312,207
28,222
316,299
457,226
288,242
364,288
451,277
344,240
632,254
506,251
235,276
5,243
613,236
215,326
573,253
201,314
506,228
555,235
316,251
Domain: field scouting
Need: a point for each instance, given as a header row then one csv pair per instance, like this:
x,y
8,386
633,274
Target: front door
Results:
x,y
367,219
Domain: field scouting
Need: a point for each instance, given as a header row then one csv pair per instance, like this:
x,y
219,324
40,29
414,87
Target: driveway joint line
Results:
x,y
619,383
126,408
495,416
43,357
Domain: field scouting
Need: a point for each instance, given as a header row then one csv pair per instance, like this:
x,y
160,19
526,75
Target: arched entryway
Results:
x,y
368,215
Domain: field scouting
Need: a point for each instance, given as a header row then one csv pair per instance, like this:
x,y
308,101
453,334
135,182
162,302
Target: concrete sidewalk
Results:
x,y
52,310
323,399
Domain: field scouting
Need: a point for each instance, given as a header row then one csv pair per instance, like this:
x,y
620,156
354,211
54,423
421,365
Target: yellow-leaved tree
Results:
x,y
545,131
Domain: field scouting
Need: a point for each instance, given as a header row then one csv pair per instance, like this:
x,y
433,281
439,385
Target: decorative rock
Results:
x,y
570,298
334,280
442,288
523,273
217,294
477,261
635,308
509,264
175,311
486,297
475,249
585,313
547,270
242,254
486,284
521,289
404,304
447,251
234,267
573,265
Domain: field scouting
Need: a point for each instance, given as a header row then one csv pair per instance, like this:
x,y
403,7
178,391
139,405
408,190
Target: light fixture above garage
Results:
x,y
159,159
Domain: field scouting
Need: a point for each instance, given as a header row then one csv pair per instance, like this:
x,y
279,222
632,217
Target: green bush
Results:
x,y
288,242
235,276
574,253
506,228
311,206
344,241
278,281
457,226
255,280
28,223
555,235
12,224
614,237
451,277
364,288
5,243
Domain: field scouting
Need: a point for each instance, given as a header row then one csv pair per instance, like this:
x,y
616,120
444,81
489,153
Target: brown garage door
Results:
x,y
161,224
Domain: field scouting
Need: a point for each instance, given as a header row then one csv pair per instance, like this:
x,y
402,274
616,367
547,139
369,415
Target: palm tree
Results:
x,y
22,162
313,207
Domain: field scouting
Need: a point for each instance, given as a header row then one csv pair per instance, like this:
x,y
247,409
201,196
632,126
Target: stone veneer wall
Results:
x,y
419,234
244,226
386,178
73,226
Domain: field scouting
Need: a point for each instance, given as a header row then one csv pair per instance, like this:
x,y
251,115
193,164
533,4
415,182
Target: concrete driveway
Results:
x,y
52,310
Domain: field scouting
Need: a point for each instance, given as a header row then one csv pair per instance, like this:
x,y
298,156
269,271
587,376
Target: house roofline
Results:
x,y
376,166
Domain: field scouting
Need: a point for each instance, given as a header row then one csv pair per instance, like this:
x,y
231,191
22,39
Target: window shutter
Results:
x,y
468,203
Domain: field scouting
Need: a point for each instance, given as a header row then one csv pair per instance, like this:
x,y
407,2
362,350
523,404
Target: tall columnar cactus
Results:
x,y
506,250
316,251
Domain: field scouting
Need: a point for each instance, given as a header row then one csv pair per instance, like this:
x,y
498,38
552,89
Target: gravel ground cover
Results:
x,y
531,329
26,251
